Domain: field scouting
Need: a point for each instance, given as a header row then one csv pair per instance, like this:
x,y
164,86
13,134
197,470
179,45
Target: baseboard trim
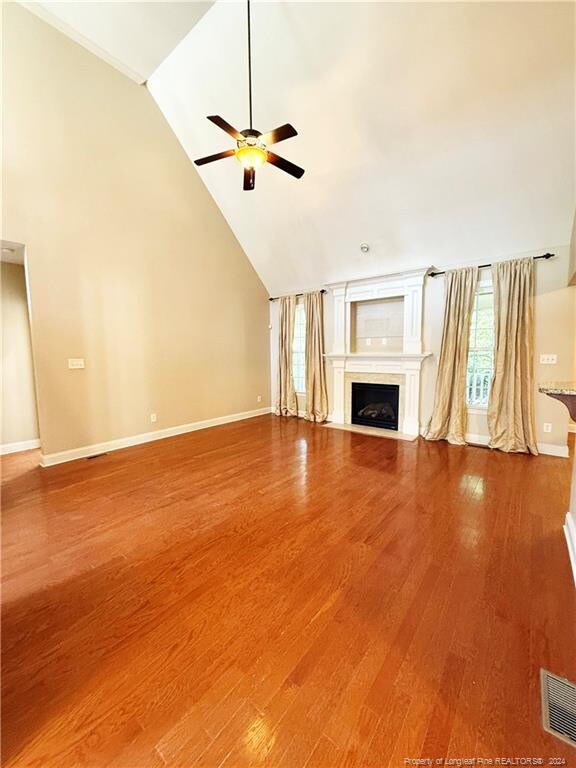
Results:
x,y
50,459
571,427
570,532
548,449
23,445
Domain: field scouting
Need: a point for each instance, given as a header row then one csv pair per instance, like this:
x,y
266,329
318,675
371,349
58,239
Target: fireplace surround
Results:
x,y
400,367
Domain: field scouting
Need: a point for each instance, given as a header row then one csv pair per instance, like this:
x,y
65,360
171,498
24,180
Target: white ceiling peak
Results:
x,y
436,132
134,37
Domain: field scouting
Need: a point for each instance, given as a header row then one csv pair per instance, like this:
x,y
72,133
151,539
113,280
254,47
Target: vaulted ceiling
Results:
x,y
135,37
438,133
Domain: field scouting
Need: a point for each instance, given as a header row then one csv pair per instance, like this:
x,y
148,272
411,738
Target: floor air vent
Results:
x,y
558,706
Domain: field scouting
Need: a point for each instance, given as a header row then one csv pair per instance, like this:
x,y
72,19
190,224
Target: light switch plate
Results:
x,y
548,359
75,362
547,426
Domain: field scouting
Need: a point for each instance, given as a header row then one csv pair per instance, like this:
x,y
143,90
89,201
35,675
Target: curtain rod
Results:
x,y
275,298
483,266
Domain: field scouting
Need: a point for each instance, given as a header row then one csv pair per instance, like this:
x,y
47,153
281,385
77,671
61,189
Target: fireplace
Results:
x,y
375,405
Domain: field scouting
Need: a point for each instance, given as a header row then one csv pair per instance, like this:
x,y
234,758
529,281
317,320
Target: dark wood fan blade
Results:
x,y
211,158
249,178
279,134
221,123
285,165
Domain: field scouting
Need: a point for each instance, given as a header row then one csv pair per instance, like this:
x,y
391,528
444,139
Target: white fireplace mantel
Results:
x,y
383,356
407,363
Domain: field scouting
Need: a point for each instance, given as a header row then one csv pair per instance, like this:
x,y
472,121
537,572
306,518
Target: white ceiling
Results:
x,y
135,37
437,133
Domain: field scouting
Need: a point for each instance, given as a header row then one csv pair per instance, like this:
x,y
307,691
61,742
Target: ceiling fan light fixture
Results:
x,y
251,156
251,144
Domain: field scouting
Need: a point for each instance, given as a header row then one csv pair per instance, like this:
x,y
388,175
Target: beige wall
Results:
x,y
131,264
19,422
572,267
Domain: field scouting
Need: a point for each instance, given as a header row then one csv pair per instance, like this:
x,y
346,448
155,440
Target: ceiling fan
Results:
x,y
251,145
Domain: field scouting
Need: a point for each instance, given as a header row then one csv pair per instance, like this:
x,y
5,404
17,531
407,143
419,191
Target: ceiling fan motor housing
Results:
x,y
251,139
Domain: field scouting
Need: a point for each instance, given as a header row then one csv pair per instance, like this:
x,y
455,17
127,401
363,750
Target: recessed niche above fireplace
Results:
x,y
375,405
377,325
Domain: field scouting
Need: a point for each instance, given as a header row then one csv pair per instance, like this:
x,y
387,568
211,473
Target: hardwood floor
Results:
x,y
274,593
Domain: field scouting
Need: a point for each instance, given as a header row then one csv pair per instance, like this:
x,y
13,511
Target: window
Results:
x,y
298,349
481,351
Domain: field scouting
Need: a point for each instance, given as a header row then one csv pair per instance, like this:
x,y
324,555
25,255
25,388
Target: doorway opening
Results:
x,y
19,404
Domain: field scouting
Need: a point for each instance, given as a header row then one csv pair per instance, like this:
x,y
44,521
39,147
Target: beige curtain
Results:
x,y
511,404
316,398
448,420
286,404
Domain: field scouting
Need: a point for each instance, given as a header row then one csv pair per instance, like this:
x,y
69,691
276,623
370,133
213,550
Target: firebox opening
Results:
x,y
375,405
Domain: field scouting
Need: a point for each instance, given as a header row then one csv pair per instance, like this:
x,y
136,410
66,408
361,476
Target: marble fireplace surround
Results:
x,y
402,367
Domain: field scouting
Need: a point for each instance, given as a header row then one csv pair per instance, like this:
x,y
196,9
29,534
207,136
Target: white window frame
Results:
x,y
484,286
299,354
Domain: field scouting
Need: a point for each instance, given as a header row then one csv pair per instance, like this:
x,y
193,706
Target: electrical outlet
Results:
x,y
153,418
547,426
548,359
75,363
259,398
368,342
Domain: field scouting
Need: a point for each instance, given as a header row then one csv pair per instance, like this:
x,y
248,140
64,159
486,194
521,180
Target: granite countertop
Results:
x,y
558,388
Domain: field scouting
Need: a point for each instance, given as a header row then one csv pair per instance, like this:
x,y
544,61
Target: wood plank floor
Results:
x,y
274,593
